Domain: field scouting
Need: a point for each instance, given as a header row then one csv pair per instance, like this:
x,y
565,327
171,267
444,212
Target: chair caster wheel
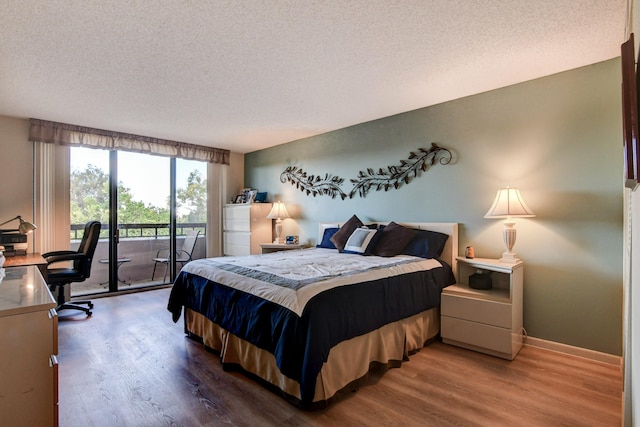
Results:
x,y
90,305
89,314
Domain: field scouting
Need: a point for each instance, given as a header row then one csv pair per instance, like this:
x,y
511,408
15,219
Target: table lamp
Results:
x,y
278,212
509,204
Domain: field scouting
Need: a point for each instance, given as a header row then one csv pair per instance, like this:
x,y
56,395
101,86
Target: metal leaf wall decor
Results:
x,y
391,177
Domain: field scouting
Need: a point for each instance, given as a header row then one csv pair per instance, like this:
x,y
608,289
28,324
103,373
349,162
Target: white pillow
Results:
x,y
359,240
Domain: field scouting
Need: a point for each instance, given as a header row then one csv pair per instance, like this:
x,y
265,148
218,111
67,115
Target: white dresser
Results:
x,y
28,349
246,227
489,321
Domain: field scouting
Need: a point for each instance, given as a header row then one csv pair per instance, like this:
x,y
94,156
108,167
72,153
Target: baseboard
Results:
x,y
574,351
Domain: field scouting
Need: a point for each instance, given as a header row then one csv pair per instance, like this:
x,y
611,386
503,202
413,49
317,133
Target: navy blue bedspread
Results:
x,y
301,344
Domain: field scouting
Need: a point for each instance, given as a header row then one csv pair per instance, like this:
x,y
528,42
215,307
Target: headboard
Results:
x,y
450,251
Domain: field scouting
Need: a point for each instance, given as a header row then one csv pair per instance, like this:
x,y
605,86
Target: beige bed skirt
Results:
x,y
348,361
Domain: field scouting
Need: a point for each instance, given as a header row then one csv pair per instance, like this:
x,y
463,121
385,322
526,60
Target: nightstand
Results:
x,y
488,321
267,248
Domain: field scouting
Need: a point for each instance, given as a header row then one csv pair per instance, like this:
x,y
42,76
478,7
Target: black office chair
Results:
x,y
78,272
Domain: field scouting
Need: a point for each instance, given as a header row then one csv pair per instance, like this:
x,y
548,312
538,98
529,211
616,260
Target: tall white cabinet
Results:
x,y
246,227
28,349
489,321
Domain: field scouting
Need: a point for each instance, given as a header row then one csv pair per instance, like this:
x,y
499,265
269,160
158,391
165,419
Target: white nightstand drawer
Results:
x,y
476,310
476,334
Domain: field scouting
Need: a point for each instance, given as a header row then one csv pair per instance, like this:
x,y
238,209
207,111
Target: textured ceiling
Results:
x,y
245,75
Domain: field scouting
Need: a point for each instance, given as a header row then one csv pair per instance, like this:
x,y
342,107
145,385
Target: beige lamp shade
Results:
x,y
278,211
509,203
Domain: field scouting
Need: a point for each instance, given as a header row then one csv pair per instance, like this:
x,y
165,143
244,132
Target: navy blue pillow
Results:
x,y
426,244
326,238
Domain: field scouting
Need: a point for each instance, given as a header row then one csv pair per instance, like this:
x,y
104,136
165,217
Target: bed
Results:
x,y
311,323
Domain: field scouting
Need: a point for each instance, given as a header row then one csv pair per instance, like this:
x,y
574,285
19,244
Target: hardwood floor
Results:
x,y
130,365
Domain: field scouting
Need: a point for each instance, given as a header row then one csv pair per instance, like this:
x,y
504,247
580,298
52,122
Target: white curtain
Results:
x,y
51,182
216,198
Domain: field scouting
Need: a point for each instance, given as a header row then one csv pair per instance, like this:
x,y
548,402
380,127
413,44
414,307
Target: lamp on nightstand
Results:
x,y
278,212
509,204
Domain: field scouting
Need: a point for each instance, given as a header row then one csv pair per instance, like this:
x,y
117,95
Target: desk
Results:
x,y
28,349
26,260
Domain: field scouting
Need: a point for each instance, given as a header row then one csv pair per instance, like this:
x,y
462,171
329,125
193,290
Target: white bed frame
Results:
x,y
450,251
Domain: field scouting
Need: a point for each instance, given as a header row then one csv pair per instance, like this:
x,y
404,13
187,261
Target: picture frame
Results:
x,y
250,196
291,240
239,199
630,117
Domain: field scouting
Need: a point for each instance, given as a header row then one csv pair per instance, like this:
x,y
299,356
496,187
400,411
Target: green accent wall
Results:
x,y
558,139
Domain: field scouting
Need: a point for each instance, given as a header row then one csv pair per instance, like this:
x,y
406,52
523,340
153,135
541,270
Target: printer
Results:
x,y
14,243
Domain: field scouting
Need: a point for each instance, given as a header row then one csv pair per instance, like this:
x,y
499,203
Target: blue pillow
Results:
x,y
426,244
326,238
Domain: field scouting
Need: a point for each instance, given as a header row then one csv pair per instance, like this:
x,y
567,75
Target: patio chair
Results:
x,y
182,256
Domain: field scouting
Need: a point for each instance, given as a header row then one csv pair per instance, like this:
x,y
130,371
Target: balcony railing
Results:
x,y
142,230
139,243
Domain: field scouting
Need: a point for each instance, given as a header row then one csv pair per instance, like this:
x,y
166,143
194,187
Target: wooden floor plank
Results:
x,y
130,365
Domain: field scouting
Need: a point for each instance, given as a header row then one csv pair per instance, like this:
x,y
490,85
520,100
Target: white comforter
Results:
x,y
292,278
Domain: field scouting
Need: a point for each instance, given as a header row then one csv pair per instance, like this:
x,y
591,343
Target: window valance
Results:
x,y
66,134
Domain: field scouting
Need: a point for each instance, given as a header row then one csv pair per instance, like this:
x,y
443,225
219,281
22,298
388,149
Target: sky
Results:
x,y
147,176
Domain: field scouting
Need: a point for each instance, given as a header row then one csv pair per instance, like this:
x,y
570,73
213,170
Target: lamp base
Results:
x,y
509,258
278,240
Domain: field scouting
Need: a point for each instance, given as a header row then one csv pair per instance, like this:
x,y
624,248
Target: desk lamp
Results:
x,y
16,237
24,227
509,204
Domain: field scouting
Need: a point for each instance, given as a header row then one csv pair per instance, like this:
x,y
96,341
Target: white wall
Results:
x,y
16,173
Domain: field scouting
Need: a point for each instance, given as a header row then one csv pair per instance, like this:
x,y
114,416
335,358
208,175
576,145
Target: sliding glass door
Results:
x,y
143,218
153,211
191,210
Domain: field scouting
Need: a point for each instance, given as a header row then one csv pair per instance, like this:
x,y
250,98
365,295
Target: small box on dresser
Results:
x,y
489,320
